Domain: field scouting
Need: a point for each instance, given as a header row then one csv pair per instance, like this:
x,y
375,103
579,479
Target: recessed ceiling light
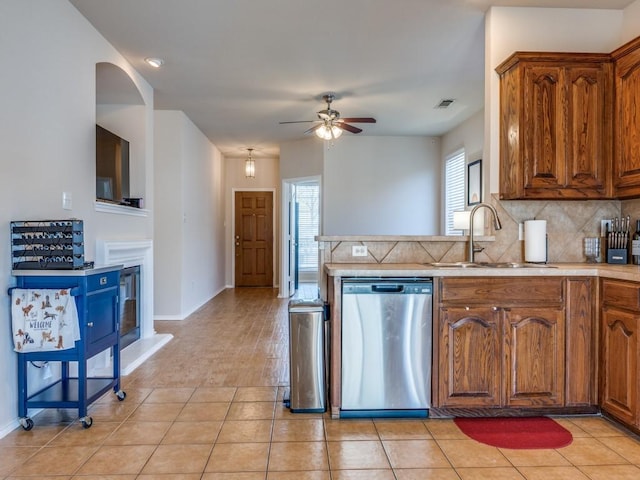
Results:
x,y
154,62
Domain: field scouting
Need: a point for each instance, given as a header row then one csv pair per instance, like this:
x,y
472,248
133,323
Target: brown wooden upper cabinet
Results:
x,y
556,126
626,165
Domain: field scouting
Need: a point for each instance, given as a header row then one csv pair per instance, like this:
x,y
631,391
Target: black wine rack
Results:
x,y
47,244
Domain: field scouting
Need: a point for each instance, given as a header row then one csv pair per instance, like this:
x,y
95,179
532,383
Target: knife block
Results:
x,y
617,255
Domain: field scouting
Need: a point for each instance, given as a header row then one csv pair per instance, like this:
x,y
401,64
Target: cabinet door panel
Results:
x,y
470,373
588,144
627,122
580,367
534,341
102,320
543,134
620,363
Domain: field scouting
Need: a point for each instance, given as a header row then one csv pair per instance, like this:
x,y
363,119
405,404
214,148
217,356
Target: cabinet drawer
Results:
x,y
502,290
102,281
621,294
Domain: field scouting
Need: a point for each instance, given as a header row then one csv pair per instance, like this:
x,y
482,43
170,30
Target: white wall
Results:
x,y
48,54
631,22
203,221
538,29
301,158
189,240
167,298
267,178
382,186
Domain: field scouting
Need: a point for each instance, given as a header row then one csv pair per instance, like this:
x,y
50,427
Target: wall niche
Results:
x,y
121,110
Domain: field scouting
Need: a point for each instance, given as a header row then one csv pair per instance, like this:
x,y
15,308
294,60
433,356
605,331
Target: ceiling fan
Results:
x,y
329,124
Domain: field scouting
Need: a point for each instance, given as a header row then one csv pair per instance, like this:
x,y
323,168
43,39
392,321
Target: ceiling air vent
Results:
x,y
445,103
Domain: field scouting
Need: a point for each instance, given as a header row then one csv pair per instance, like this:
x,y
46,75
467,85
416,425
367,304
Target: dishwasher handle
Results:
x,y
387,288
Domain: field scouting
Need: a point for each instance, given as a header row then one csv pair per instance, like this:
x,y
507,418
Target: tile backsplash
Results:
x,y
568,222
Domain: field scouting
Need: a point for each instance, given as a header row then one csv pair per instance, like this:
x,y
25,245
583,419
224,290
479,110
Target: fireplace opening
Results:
x,y
129,305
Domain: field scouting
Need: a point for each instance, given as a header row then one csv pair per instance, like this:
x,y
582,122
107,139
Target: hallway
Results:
x,y
208,406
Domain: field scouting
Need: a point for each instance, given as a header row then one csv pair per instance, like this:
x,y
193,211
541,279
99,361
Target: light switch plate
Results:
x,y
605,226
359,251
67,201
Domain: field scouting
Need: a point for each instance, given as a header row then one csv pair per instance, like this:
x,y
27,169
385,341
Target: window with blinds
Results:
x,y
453,189
308,198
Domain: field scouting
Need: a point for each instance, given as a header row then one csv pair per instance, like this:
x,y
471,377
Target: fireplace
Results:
x,y
129,305
136,255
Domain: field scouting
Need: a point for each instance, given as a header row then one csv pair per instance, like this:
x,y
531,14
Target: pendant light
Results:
x,y
250,166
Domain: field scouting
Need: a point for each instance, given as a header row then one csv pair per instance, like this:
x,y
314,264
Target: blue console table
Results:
x,y
96,292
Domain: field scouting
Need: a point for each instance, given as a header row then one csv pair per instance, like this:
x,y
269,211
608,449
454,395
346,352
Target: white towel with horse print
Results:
x,y
43,319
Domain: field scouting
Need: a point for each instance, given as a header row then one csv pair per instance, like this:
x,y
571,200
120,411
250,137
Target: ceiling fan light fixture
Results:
x,y
250,166
328,132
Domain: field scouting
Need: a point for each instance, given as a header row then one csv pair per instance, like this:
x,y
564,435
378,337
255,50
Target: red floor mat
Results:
x,y
516,433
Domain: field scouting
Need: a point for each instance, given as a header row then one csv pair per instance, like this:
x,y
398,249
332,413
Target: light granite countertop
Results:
x,y
620,272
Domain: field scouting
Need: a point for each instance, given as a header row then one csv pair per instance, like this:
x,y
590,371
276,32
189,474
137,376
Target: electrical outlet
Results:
x,y
521,231
359,251
605,226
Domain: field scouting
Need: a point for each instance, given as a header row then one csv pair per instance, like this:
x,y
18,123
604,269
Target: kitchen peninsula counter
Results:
x,y
512,341
601,270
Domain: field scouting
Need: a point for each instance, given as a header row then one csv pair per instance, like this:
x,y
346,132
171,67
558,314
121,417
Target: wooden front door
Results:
x,y
254,239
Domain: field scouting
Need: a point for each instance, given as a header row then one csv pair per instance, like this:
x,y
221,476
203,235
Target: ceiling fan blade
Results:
x,y
359,120
348,128
300,121
313,129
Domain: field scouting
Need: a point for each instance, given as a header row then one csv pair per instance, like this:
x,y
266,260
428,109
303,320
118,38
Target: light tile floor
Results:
x,y
209,406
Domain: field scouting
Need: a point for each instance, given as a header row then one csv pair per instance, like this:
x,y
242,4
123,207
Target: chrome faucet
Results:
x,y
496,224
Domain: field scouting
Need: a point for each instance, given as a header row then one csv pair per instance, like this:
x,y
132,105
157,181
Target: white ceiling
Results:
x,y
239,67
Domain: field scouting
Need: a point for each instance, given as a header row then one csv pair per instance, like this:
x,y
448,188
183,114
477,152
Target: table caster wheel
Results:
x,y
86,422
26,423
121,395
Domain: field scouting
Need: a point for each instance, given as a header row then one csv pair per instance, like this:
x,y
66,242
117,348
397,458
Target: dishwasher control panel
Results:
x,y
422,286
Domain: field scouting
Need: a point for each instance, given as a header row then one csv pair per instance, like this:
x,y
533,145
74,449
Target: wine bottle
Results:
x,y
635,245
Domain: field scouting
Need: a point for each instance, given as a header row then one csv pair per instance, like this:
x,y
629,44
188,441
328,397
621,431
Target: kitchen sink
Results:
x,y
453,264
512,265
488,265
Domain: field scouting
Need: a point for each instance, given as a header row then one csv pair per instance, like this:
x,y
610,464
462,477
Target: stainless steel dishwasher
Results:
x,y
386,346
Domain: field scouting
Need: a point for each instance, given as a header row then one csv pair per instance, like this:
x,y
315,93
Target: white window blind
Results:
x,y
308,226
454,189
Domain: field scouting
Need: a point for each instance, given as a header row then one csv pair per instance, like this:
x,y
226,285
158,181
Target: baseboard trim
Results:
x,y
183,316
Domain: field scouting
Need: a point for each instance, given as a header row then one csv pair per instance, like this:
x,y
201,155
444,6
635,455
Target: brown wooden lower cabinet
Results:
x,y
620,321
470,352
534,352
580,342
507,342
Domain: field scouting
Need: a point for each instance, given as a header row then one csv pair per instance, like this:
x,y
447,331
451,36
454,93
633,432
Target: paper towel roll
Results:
x,y
535,241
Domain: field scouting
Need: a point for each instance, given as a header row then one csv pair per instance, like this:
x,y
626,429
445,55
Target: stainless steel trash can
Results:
x,y
307,377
